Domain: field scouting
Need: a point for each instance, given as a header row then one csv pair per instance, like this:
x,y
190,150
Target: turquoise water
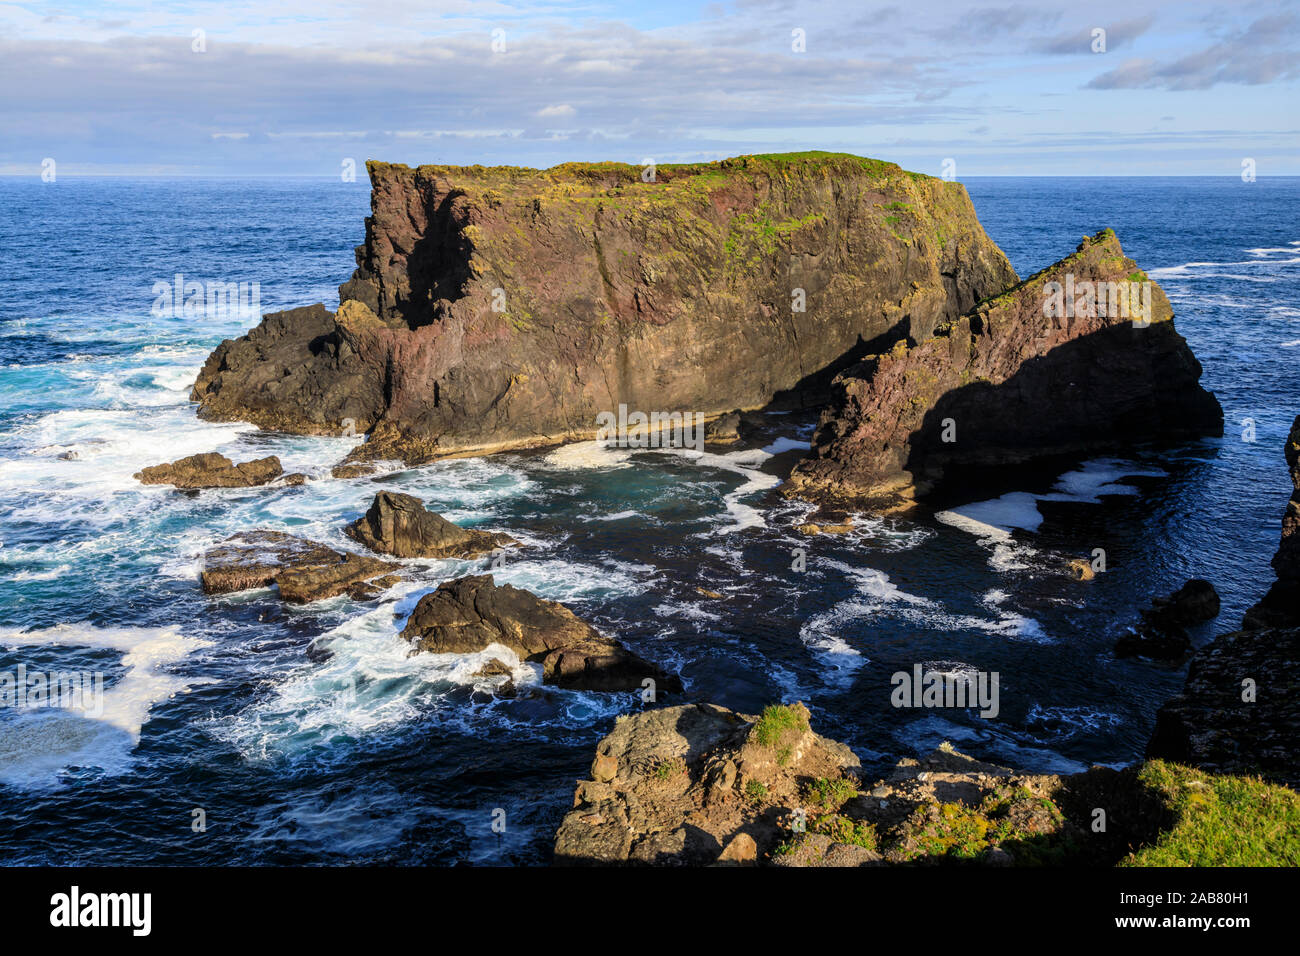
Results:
x,y
307,734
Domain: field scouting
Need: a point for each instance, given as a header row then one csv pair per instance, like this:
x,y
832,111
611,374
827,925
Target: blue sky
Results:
x,y
291,87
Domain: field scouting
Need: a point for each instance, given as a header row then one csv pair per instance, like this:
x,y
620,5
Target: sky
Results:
x,y
302,87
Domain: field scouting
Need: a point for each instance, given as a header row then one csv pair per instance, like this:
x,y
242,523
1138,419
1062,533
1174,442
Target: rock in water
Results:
x,y
1007,383
211,470
500,307
1281,605
400,525
466,615
303,570
697,784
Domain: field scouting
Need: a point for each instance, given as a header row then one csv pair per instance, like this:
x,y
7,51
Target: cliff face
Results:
x,y
1008,382
494,307
1281,605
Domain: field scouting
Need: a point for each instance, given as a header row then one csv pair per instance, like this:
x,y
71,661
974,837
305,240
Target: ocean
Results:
x,y
236,730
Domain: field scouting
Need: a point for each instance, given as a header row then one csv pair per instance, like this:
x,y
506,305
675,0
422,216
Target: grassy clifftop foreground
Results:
x,y
1220,820
699,784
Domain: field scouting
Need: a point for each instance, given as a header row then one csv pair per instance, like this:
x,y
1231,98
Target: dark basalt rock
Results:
x,y
400,525
303,570
1211,725
1161,634
1005,384
505,307
1280,607
466,615
211,470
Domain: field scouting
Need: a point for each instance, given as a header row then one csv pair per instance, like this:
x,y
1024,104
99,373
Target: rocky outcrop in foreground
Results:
x,y
699,784
211,470
470,614
1161,633
400,525
1280,607
1007,383
500,307
302,570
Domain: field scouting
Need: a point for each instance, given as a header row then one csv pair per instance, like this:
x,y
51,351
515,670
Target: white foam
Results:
x,y
589,454
36,745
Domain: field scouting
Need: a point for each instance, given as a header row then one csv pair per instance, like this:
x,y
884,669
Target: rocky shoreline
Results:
x,y
506,308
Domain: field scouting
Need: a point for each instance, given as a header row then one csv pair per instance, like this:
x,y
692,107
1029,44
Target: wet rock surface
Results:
x,y
468,614
211,470
302,570
1161,634
400,525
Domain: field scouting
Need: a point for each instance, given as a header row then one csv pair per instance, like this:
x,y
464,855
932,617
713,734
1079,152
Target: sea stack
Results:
x,y
505,307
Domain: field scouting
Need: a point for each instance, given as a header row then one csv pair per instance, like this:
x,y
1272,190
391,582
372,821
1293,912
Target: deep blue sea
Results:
x,y
307,735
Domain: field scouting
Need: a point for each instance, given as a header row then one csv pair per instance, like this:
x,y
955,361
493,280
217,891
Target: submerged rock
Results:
x,y
1007,383
467,614
400,525
1280,607
303,570
1161,633
211,470
504,307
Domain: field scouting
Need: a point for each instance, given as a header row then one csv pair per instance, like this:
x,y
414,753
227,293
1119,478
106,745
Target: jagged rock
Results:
x,y
724,429
359,470
467,614
1280,607
1006,383
303,570
1161,633
211,470
1238,711
294,480
400,525
503,307
1081,569
680,785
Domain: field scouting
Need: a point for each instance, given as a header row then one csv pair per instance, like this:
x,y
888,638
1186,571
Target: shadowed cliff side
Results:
x,y
1281,605
500,307
1008,382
